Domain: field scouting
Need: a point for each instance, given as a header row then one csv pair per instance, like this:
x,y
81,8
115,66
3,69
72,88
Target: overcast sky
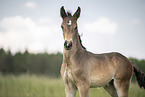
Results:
x,y
105,25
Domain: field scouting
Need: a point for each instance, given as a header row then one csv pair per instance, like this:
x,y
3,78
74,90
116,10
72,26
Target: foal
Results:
x,y
82,69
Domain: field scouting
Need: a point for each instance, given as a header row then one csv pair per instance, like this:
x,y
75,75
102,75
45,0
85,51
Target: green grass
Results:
x,y
40,86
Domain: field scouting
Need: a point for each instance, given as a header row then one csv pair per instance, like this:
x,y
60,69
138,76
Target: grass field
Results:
x,y
40,86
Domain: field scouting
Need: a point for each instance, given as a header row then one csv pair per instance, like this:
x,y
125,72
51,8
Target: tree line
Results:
x,y
28,63
39,64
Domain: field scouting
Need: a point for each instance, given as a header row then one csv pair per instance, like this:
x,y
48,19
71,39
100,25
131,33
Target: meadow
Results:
x,y
42,86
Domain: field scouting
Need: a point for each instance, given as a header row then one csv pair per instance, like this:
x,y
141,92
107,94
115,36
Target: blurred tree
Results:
x,y
6,62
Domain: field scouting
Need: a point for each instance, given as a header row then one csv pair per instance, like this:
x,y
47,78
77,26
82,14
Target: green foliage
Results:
x,y
42,86
6,62
28,63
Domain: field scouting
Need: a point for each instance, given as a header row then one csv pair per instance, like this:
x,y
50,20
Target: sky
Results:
x,y
105,26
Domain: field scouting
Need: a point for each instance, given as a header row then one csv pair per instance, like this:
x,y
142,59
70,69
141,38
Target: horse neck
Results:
x,y
77,44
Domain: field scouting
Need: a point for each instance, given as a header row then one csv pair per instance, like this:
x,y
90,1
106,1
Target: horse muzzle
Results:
x,y
67,45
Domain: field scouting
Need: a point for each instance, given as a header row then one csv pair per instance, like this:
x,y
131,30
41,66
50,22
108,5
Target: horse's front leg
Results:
x,y
84,90
70,90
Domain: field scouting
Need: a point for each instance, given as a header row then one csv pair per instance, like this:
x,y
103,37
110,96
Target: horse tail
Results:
x,y
140,76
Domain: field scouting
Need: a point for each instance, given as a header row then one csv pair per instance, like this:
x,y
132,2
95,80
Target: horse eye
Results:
x,y
61,26
76,28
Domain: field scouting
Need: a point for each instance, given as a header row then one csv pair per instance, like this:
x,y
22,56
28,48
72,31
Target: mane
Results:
x,y
69,13
81,42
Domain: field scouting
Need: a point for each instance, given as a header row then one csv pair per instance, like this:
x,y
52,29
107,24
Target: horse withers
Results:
x,y
82,69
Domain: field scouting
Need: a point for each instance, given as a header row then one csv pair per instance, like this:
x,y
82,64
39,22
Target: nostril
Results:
x,y
65,43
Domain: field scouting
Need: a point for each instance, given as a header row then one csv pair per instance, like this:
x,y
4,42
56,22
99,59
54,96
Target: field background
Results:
x,y
42,86
38,75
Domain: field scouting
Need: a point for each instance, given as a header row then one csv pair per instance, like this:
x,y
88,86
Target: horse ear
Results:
x,y
62,12
77,13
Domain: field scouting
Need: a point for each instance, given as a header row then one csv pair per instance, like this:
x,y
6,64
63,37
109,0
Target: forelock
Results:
x,y
69,13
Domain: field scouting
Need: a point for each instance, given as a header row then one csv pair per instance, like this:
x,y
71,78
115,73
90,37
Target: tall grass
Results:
x,y
40,86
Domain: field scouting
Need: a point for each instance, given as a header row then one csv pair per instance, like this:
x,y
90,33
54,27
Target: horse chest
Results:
x,y
68,76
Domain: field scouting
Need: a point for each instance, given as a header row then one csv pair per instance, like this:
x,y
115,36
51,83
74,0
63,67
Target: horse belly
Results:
x,y
99,80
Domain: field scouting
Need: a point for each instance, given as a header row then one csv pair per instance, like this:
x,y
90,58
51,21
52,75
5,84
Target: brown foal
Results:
x,y
82,69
